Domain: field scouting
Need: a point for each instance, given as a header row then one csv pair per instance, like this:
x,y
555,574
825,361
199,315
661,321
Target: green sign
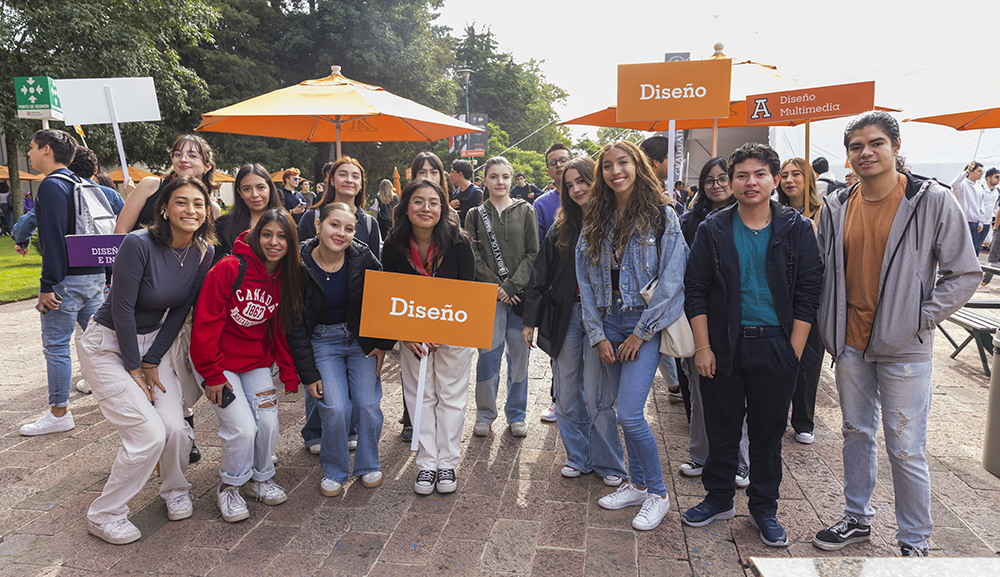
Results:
x,y
37,98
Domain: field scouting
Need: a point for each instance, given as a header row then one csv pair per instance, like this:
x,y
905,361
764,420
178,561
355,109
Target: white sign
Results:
x,y
84,100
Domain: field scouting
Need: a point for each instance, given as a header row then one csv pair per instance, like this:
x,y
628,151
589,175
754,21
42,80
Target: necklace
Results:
x,y
179,254
322,268
757,231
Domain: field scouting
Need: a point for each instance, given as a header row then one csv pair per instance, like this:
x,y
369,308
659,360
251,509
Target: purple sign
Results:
x,y
93,250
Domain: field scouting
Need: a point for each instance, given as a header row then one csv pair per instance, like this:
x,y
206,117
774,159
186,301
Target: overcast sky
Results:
x,y
925,57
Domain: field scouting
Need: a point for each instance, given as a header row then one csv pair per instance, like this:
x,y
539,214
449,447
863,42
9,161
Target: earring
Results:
x,y
163,213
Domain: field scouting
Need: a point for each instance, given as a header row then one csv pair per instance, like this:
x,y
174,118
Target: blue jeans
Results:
x,y
348,379
978,237
81,296
902,391
248,432
585,405
507,328
312,431
633,380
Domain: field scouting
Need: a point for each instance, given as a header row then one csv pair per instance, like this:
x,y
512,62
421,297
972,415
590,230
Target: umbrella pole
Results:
x,y
715,137
979,140
338,141
807,139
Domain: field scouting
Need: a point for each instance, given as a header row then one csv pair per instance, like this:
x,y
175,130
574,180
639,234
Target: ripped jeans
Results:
x,y
248,427
903,393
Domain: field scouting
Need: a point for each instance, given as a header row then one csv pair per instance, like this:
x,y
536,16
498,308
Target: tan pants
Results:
x,y
446,394
149,433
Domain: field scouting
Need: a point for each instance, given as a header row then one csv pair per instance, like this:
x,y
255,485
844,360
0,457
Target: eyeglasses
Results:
x,y
419,204
721,181
191,155
296,179
558,162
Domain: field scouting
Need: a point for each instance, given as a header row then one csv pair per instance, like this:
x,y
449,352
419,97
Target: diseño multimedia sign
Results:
x,y
674,90
811,103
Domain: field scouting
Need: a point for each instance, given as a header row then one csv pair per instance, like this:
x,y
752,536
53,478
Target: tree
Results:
x,y
515,96
99,39
530,162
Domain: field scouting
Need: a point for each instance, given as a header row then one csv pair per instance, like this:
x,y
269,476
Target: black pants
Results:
x,y
804,397
760,386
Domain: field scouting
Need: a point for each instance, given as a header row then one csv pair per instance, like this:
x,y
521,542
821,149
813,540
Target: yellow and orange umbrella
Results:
x,y
334,109
5,174
395,181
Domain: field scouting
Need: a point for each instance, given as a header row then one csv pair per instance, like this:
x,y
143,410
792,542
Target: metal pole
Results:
x,y
671,136
715,137
808,122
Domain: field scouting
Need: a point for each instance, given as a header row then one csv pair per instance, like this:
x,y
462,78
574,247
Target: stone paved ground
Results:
x,y
513,512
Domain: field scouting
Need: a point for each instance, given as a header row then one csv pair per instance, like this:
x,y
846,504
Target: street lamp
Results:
x,y
465,72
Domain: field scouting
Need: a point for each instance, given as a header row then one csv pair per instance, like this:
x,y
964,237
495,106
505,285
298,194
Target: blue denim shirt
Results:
x,y
642,261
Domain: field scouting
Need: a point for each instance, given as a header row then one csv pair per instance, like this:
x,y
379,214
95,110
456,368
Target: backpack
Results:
x,y
93,212
832,185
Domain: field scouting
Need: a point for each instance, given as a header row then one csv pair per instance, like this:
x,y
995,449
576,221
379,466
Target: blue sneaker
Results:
x,y
771,531
702,514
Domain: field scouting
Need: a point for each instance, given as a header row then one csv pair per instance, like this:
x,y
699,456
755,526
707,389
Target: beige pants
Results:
x,y
149,433
446,394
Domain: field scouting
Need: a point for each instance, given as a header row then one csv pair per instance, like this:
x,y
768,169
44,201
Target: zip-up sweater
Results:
x,y
712,279
239,331
928,233
516,230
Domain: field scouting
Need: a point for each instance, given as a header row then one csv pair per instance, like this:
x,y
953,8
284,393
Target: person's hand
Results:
x,y
980,229
299,209
529,335
380,355
798,351
455,204
316,389
704,362
129,186
415,347
606,351
153,380
502,295
21,250
48,300
214,394
629,350
432,347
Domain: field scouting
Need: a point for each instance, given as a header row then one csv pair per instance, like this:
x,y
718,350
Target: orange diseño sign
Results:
x,y
674,90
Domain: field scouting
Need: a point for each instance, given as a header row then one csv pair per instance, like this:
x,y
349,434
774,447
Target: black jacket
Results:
x,y
459,262
552,288
712,280
359,260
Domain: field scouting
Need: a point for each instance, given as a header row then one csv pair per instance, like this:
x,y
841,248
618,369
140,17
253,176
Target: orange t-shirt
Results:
x,y
866,233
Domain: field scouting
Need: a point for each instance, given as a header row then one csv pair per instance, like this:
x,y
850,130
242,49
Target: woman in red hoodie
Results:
x,y
246,305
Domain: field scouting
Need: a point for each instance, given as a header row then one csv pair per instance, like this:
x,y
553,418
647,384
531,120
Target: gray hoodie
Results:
x,y
928,234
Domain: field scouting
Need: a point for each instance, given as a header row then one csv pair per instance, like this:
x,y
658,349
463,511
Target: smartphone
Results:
x,y
227,397
44,309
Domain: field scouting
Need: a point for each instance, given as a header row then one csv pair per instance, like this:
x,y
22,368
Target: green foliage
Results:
x,y
605,136
530,162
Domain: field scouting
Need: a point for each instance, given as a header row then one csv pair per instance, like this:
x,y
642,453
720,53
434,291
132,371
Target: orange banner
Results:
x,y
426,309
811,103
674,90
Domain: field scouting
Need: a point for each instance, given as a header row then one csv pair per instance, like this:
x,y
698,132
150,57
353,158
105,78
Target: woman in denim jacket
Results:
x,y
629,239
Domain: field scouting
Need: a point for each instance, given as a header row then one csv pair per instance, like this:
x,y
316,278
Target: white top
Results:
x,y
970,197
990,196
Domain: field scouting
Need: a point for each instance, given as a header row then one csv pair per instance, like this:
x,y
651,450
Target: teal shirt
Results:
x,y
755,294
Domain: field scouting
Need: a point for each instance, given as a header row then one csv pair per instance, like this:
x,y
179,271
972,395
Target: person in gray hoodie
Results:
x,y
883,241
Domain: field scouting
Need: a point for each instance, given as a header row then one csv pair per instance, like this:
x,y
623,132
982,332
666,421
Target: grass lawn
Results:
x,y
18,274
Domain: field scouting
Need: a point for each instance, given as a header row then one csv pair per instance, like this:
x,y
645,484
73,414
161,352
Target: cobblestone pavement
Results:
x,y
512,514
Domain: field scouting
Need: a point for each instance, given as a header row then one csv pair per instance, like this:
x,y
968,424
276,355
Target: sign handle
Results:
x,y
118,134
421,381
672,137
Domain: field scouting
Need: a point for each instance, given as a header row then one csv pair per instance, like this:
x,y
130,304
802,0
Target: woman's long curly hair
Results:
x,y
641,215
569,218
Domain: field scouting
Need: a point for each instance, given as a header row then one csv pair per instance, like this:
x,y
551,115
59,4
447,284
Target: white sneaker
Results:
x,y
806,437
519,429
274,459
267,491
613,480
570,472
118,533
481,429
329,487
549,414
373,479
231,505
84,387
654,508
179,507
352,444
315,449
743,477
49,423
626,495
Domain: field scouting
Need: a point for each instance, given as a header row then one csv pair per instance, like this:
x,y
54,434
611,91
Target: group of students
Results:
x,y
598,286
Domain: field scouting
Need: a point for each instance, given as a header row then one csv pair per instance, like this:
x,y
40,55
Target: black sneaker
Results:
x,y
446,482
425,482
909,551
841,533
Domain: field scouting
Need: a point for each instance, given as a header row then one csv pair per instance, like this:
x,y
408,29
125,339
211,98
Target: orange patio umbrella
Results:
x,y
395,181
334,109
134,173
981,110
5,174
223,177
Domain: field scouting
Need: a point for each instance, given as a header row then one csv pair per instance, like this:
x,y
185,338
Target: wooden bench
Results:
x,y
980,328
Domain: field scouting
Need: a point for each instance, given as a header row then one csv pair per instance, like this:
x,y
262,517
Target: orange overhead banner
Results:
x,y
811,103
674,90
428,309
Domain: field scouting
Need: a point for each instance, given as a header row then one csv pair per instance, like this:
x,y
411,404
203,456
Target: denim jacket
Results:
x,y
642,261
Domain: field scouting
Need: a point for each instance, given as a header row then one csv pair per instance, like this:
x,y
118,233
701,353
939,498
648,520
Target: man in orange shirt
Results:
x,y
902,229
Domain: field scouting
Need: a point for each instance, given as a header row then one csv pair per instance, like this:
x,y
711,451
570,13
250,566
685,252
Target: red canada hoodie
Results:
x,y
239,331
